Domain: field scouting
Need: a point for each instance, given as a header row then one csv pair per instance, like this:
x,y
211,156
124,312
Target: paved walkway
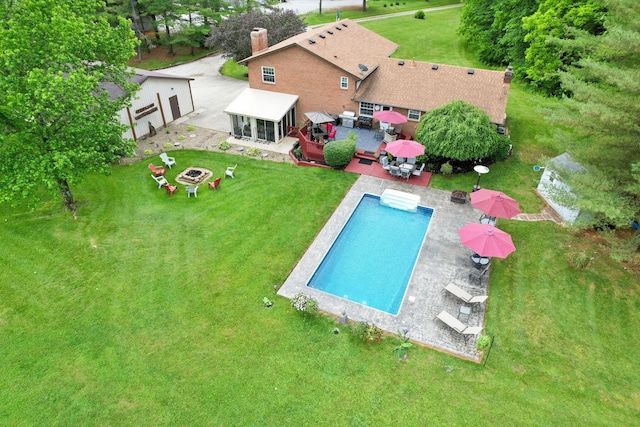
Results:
x,y
547,214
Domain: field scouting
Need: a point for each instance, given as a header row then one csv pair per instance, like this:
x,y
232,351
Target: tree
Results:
x,y
601,118
57,121
168,12
232,35
462,132
556,18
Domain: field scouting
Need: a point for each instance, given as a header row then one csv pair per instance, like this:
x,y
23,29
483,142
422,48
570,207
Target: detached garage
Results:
x,y
162,99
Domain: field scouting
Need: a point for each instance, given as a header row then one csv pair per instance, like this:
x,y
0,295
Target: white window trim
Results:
x,y
414,111
344,83
263,68
360,113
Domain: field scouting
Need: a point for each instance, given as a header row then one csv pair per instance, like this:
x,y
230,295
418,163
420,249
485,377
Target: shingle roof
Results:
x,y
139,77
344,44
417,86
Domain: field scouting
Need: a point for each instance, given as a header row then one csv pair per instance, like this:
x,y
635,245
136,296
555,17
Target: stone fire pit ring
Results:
x,y
194,176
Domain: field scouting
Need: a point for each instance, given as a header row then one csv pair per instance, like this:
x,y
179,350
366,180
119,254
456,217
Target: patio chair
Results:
x,y
332,135
418,171
161,180
486,219
394,170
170,189
215,184
157,170
329,127
168,161
460,293
465,330
230,171
192,189
384,160
402,160
476,275
411,160
405,173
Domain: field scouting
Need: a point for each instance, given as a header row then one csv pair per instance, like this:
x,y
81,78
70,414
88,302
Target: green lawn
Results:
x,y
147,310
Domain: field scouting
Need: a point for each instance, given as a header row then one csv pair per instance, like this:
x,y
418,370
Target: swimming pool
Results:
x,y
372,259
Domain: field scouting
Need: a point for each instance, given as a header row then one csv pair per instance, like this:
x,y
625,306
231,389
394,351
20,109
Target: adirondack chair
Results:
x,y
230,171
215,184
168,161
157,170
161,180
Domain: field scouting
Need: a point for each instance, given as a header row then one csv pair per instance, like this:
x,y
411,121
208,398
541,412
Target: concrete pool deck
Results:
x,y
442,260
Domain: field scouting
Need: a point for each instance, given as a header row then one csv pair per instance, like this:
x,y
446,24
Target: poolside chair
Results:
x,y
215,184
476,275
161,180
460,293
168,161
418,171
384,160
192,189
157,170
465,330
230,171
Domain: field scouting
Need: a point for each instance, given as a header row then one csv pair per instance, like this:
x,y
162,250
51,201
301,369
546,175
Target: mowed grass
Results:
x,y
147,310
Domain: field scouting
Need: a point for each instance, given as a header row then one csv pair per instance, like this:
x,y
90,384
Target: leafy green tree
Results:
x,y
163,12
57,121
556,18
601,117
232,35
462,132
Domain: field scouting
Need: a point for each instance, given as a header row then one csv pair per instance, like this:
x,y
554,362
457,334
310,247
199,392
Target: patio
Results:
x,y
443,259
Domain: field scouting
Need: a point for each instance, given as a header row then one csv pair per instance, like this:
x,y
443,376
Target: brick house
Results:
x,y
343,66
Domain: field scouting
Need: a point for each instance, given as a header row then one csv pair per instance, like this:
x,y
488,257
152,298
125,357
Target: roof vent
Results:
x,y
339,28
400,62
311,41
322,36
344,24
329,31
434,67
470,71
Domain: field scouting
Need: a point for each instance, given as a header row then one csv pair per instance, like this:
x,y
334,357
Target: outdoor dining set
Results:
x,y
487,241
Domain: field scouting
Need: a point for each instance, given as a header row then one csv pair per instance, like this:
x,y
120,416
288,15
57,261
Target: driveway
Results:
x,y
212,92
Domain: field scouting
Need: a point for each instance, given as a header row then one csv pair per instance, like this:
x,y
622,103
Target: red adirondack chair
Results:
x,y
170,188
157,170
215,184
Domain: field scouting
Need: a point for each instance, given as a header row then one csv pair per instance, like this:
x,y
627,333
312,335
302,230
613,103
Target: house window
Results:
x,y
366,109
344,82
414,115
268,75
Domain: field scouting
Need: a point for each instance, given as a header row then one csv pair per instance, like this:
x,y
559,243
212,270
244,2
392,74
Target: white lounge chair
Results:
x,y
460,293
230,170
168,161
161,180
465,330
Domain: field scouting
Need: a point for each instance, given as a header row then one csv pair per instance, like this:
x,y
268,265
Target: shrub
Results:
x,y
304,304
483,342
253,151
147,152
168,145
365,332
419,15
338,154
224,145
181,138
191,128
446,169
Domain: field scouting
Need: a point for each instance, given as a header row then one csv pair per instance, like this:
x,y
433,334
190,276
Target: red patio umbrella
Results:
x,y
405,148
486,240
390,116
495,204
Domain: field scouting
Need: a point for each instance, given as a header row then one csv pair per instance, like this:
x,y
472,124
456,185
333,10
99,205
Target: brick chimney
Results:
x,y
259,41
508,74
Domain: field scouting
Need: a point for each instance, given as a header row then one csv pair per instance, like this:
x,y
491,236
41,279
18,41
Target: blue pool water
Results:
x,y
372,259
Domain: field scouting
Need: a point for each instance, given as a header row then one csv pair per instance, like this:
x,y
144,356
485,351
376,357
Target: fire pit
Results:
x,y
458,196
194,176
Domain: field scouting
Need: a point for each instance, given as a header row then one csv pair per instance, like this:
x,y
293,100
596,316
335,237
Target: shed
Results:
x,y
551,187
162,98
